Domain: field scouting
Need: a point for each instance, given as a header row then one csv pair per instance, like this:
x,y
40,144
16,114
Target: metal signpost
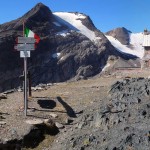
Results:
x,y
25,45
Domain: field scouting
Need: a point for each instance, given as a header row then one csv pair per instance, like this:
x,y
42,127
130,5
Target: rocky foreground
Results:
x,y
52,105
121,124
89,115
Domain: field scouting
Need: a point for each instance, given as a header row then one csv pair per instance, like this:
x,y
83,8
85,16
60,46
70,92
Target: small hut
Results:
x,y
146,45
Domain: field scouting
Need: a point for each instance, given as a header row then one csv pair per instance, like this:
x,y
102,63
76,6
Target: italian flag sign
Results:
x,y
29,33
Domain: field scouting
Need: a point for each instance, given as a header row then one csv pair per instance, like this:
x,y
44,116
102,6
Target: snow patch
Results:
x,y
136,40
74,20
63,33
62,58
56,55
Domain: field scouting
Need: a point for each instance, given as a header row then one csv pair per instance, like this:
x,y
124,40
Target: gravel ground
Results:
x,y
76,104
68,100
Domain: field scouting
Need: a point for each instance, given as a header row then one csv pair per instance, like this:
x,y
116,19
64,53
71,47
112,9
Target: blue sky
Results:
x,y
105,14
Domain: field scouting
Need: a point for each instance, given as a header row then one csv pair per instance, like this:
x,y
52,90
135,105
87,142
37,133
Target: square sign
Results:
x,y
24,54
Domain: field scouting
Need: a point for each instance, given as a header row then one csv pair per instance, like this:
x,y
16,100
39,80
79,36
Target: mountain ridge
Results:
x,y
127,42
121,34
78,56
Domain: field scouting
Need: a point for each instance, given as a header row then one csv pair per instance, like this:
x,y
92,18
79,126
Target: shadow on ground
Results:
x,y
68,108
47,104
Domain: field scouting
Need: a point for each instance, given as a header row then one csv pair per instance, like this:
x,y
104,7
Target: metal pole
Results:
x,y
25,81
24,89
25,85
29,79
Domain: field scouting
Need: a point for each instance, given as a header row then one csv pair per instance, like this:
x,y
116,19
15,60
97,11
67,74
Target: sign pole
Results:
x,y
25,86
25,81
23,90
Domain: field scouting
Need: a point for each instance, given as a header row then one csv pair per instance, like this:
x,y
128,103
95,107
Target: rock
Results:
x,y
105,109
86,142
53,115
35,122
80,125
85,71
5,140
37,88
13,132
2,122
49,123
9,91
68,120
3,96
59,125
49,84
42,85
19,90
33,88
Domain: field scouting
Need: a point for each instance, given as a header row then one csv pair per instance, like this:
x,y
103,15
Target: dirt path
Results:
x,y
67,100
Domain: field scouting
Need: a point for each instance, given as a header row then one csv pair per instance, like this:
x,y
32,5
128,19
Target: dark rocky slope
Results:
x,y
80,57
121,123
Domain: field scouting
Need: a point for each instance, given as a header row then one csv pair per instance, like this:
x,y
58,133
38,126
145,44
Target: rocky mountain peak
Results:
x,y
121,34
34,18
88,23
40,10
39,13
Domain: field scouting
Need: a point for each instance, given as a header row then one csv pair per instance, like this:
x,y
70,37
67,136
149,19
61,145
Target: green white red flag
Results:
x,y
29,33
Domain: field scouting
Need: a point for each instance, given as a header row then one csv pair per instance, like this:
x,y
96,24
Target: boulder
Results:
x,y
34,121
50,123
59,125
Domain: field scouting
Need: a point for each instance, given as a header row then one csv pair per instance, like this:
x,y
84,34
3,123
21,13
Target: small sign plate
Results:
x,y
30,40
24,54
25,47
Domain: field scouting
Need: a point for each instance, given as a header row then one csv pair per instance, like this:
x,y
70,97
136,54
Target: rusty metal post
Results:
x,y
29,85
23,88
